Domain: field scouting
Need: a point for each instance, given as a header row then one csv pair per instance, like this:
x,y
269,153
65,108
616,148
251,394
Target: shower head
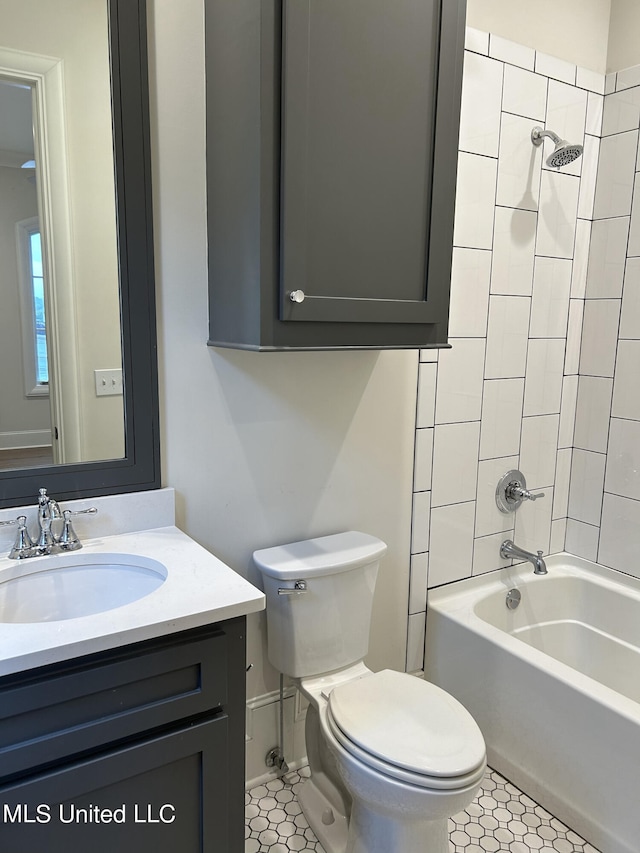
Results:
x,y
564,152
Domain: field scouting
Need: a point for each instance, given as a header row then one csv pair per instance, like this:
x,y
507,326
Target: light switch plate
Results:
x,y
108,382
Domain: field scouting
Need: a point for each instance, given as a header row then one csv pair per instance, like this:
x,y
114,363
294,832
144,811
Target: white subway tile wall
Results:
x,y
586,486
469,307
595,108
550,303
599,335
616,166
568,411
634,235
489,519
533,523
590,156
455,463
607,256
593,410
545,327
627,78
557,214
630,317
481,105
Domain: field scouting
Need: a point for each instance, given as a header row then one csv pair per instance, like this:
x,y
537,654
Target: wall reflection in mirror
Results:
x,y
60,340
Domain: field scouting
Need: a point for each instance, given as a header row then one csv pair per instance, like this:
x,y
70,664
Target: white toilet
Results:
x,y
391,756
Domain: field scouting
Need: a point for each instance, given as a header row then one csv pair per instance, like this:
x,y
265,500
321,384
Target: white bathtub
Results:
x,y
554,685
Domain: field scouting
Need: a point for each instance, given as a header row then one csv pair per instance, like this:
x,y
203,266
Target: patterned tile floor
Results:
x,y
500,820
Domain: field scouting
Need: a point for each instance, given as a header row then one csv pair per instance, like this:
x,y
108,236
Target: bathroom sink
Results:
x,y
69,586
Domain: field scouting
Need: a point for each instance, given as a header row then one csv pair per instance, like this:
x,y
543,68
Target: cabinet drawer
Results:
x,y
168,793
76,709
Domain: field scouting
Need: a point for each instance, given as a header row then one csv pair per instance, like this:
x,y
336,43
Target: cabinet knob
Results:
x,y
296,296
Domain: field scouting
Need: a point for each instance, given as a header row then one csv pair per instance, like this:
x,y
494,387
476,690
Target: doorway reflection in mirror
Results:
x,y
59,306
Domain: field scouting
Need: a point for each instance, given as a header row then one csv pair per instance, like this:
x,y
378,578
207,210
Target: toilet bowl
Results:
x,y
408,756
392,756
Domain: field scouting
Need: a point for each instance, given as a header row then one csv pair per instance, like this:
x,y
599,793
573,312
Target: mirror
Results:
x,y
77,311
63,400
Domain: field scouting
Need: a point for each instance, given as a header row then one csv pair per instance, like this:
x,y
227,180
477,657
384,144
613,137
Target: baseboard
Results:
x,y
23,439
274,774
263,733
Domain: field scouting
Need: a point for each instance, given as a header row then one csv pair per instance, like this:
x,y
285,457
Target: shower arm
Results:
x,y
538,134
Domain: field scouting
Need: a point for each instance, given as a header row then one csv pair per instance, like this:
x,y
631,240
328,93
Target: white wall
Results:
x,y
576,32
271,447
624,35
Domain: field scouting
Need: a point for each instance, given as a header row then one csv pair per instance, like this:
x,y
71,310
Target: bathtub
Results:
x,y
554,685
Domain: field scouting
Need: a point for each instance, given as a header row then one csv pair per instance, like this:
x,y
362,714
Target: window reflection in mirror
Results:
x,y
60,313
30,281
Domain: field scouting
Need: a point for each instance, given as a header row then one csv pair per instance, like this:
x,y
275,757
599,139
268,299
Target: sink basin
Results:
x,y
69,586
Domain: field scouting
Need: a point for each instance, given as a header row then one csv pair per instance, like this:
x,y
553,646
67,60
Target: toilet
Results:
x,y
391,756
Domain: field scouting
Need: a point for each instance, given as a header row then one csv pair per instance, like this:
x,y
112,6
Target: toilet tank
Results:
x,y
325,627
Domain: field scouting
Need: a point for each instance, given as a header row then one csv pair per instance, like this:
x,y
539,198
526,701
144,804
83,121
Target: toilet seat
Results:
x,y
408,729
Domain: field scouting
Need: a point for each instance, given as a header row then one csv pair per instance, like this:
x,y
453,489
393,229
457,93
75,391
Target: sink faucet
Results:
x,y
509,549
48,511
48,540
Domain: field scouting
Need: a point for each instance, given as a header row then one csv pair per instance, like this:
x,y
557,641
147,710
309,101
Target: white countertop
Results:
x,y
199,589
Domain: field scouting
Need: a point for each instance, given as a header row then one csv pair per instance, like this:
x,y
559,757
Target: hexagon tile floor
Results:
x,y
500,820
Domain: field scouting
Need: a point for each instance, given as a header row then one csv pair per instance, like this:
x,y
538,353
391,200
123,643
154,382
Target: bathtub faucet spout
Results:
x,y
509,550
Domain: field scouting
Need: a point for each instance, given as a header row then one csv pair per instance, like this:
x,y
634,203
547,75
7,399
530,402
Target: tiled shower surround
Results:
x,y
541,373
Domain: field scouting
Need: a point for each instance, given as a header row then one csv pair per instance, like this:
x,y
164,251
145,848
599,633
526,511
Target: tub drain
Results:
x,y
513,598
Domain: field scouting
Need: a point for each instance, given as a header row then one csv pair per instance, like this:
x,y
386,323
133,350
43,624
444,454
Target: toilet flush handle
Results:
x,y
297,588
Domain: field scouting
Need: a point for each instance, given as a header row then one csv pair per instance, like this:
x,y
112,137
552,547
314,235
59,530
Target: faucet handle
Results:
x,y
512,490
23,545
523,494
68,540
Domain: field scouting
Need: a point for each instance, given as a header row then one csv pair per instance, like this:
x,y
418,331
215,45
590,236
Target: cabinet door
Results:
x,y
166,794
370,99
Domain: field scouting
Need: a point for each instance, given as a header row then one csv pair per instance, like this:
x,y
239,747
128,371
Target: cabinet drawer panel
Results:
x,y
167,793
79,709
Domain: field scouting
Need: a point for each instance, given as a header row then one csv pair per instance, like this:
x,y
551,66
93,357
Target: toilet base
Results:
x,y
366,830
371,832
325,818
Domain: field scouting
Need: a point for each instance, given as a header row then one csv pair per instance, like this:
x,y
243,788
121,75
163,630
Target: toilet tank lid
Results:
x,y
325,555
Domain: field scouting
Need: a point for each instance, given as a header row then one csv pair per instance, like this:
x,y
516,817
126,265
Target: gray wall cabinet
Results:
x,y
139,749
332,144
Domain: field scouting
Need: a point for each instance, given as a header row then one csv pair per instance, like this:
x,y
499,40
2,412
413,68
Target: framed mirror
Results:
x,y
77,307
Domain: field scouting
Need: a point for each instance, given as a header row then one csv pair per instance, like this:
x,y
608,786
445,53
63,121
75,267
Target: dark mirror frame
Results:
x,y
140,468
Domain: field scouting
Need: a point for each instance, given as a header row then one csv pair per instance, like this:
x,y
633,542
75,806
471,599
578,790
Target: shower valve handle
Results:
x,y
515,492
512,490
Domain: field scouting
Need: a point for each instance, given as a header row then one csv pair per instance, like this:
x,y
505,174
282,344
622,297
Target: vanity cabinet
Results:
x,y
332,143
136,749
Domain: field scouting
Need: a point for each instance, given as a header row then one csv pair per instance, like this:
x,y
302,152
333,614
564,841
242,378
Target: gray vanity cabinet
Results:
x,y
139,749
332,137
